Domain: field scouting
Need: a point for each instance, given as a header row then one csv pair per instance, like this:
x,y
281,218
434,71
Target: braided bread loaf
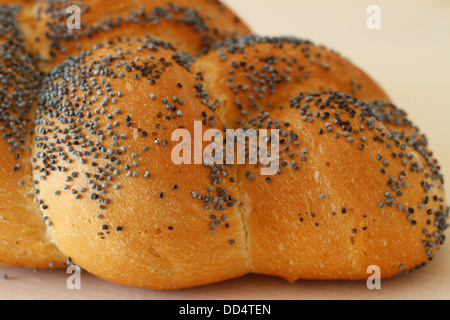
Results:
x,y
357,185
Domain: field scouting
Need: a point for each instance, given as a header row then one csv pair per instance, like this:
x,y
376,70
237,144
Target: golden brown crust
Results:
x,y
23,238
350,195
254,75
164,239
190,25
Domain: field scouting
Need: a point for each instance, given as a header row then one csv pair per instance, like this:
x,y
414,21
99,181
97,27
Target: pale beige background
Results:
x,y
410,57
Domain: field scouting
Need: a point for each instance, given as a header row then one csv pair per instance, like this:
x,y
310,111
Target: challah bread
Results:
x,y
23,237
357,185
312,221
33,29
281,226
